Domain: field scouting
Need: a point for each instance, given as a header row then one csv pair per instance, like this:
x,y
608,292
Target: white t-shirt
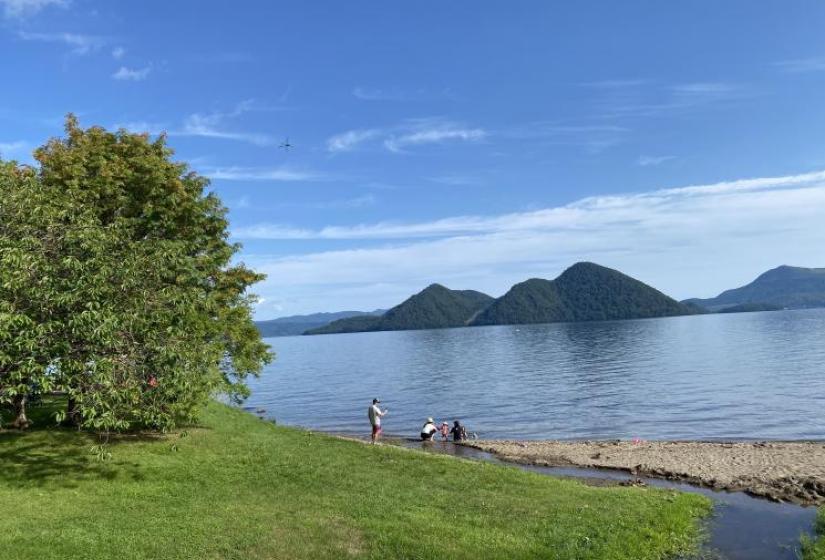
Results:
x,y
429,429
375,415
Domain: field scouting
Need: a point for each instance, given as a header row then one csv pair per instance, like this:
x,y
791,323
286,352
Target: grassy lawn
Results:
x,y
815,549
239,487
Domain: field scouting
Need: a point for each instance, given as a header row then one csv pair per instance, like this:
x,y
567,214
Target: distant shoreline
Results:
x,y
781,471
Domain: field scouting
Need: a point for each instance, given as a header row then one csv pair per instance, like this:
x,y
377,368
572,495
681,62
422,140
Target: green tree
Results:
x,y
26,290
151,314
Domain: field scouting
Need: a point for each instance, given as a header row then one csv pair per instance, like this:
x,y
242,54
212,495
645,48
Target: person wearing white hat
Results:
x,y
428,430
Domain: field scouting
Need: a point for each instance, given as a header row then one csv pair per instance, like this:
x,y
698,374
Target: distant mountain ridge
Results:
x,y
298,324
583,292
435,307
785,286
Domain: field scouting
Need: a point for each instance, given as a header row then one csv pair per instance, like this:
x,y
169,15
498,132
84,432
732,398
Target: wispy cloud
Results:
x,y
704,88
349,140
401,94
412,132
454,180
17,9
433,132
647,161
375,94
615,84
803,65
132,74
118,52
576,214
213,125
349,203
141,126
258,174
14,149
79,44
648,99
669,238
593,139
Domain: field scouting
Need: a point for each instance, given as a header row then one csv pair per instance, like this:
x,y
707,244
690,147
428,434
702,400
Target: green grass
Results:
x,y
239,487
814,549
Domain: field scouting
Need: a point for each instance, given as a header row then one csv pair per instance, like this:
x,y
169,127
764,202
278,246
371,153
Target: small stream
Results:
x,y
742,527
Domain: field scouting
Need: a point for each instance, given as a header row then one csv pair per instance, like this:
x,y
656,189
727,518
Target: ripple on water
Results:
x,y
750,375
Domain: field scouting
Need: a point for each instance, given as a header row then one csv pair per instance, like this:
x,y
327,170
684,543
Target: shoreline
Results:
x,y
779,471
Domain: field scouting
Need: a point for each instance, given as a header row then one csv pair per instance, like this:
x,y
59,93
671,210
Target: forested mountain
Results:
x,y
583,292
298,324
750,308
435,307
784,286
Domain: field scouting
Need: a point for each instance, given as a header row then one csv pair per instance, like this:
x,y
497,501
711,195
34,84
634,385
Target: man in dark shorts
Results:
x,y
375,413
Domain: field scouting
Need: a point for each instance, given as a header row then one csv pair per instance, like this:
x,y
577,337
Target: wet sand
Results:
x,y
780,471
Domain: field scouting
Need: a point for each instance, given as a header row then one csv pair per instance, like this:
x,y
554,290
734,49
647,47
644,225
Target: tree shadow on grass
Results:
x,y
57,457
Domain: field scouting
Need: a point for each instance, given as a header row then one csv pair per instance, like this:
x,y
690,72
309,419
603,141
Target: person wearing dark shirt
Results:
x,y
458,432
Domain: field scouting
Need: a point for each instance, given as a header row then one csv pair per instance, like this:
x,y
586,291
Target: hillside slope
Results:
x,y
583,292
790,287
297,324
435,307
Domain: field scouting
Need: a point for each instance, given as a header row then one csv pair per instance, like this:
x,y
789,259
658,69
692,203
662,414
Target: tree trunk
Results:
x,y
21,422
72,413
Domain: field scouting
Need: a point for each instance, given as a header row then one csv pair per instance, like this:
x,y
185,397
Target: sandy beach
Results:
x,y
780,471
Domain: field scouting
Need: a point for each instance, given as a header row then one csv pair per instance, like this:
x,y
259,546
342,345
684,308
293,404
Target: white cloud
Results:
x,y
349,140
433,134
593,139
655,100
367,94
455,180
140,126
413,132
15,149
615,84
348,203
647,161
80,44
704,88
689,241
26,8
118,52
132,74
211,125
258,174
802,65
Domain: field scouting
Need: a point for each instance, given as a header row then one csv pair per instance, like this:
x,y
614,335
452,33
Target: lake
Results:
x,y
729,376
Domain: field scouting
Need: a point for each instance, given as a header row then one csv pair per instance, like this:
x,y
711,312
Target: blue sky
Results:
x,y
474,144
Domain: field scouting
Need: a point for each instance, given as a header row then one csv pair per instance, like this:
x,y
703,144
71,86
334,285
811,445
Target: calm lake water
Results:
x,y
734,376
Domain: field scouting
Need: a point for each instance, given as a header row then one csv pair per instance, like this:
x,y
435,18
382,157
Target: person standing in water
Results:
x,y
375,413
445,431
428,430
459,432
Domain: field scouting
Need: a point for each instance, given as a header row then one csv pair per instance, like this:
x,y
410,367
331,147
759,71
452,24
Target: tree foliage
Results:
x,y
124,289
